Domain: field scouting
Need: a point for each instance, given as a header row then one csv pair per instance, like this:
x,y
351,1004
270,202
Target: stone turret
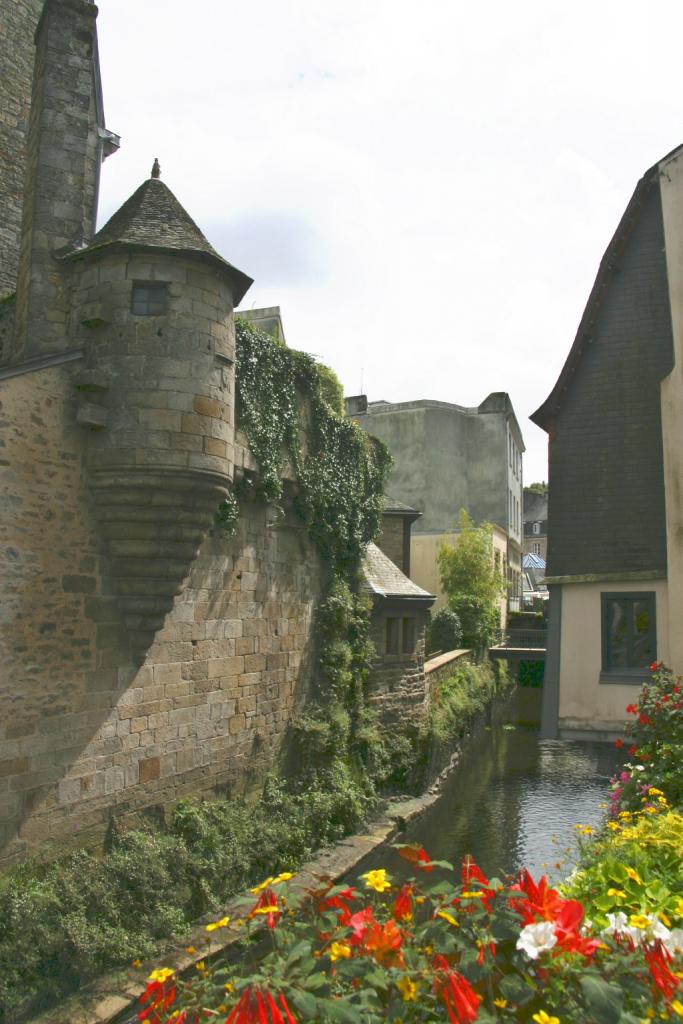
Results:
x,y
152,305
66,144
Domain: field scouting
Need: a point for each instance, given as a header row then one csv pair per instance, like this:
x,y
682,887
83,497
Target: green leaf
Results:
x,y
603,999
304,1002
516,989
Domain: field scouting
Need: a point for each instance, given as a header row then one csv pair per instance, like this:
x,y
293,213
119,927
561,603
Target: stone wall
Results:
x,y
87,727
18,20
397,684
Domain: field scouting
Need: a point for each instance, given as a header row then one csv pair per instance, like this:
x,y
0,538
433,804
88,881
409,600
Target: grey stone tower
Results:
x,y
152,305
67,141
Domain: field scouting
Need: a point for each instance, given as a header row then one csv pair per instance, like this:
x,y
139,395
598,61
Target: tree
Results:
x,y
471,582
538,488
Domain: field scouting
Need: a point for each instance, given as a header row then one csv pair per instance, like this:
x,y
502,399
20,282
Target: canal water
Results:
x,y
514,802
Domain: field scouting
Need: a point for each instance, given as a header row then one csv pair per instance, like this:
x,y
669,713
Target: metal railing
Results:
x,y
526,639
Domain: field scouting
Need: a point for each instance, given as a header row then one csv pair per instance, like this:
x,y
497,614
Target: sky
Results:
x,y
425,190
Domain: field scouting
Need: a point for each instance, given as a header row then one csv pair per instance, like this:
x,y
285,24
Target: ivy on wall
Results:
x,y
291,409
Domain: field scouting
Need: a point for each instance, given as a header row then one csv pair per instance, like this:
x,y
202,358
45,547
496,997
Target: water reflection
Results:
x,y
514,802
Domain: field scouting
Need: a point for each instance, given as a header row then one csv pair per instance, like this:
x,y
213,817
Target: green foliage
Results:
x,y
61,924
537,488
471,581
444,632
227,515
291,407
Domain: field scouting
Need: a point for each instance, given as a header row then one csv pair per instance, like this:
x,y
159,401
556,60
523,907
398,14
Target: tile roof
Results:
x,y
384,579
153,218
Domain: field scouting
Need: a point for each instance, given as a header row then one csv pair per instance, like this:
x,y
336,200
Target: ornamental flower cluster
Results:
x,y
430,945
653,743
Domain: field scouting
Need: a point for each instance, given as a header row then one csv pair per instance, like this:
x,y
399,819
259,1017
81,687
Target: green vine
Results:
x,y
291,409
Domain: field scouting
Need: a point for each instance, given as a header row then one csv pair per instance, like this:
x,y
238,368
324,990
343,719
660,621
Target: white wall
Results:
x,y
586,704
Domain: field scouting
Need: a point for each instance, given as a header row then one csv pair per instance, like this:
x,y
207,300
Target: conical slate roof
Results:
x,y
154,219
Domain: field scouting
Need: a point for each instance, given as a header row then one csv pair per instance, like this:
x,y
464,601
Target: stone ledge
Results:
x,y
445,659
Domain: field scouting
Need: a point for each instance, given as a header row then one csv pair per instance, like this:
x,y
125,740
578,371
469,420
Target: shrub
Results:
x,y
444,632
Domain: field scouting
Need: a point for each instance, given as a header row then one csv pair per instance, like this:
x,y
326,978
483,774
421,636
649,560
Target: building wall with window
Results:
x,y
614,570
594,692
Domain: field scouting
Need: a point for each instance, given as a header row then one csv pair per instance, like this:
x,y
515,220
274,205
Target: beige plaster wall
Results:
x,y
672,402
425,572
586,705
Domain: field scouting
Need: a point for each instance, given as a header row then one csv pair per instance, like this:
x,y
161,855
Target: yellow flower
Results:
x,y
472,895
229,987
222,1008
137,963
502,1003
544,1018
618,893
200,965
377,880
408,989
634,876
584,830
677,1007
653,791
266,910
613,826
625,815
639,921
664,918
191,950
223,923
447,917
283,877
262,885
679,908
650,810
161,974
340,951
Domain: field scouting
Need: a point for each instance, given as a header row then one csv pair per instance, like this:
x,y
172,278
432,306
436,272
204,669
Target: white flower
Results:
x,y
618,924
535,939
586,927
640,768
674,941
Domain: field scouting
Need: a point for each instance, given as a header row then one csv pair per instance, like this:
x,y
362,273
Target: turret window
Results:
x,y
150,298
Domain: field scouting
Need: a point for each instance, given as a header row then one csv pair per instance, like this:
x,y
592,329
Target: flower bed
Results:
x,y
605,947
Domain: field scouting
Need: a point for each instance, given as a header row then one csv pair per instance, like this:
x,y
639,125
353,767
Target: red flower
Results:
x,y
632,709
619,743
460,1000
632,749
267,906
159,995
654,666
359,924
403,904
658,961
644,720
258,1007
474,878
383,943
416,855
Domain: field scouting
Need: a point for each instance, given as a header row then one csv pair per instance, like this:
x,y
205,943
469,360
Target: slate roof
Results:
x,y
533,562
152,218
399,508
382,578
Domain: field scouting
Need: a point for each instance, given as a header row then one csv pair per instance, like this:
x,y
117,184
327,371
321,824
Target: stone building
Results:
x,y
144,655
535,519
614,420
448,457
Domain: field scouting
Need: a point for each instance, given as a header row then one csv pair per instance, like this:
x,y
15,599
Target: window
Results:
x,y
150,298
537,548
408,636
391,638
537,528
629,636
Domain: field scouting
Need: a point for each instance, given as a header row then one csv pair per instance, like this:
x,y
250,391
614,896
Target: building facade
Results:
x,y
615,565
448,457
535,518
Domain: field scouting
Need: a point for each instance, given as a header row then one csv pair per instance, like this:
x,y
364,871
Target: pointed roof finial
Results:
x,y
156,169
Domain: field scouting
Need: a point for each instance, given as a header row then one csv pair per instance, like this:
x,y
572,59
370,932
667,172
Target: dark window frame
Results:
x,y
156,297
392,634
636,674
408,634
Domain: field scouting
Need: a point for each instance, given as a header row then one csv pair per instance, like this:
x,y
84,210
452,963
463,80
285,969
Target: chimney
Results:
x,y
67,141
